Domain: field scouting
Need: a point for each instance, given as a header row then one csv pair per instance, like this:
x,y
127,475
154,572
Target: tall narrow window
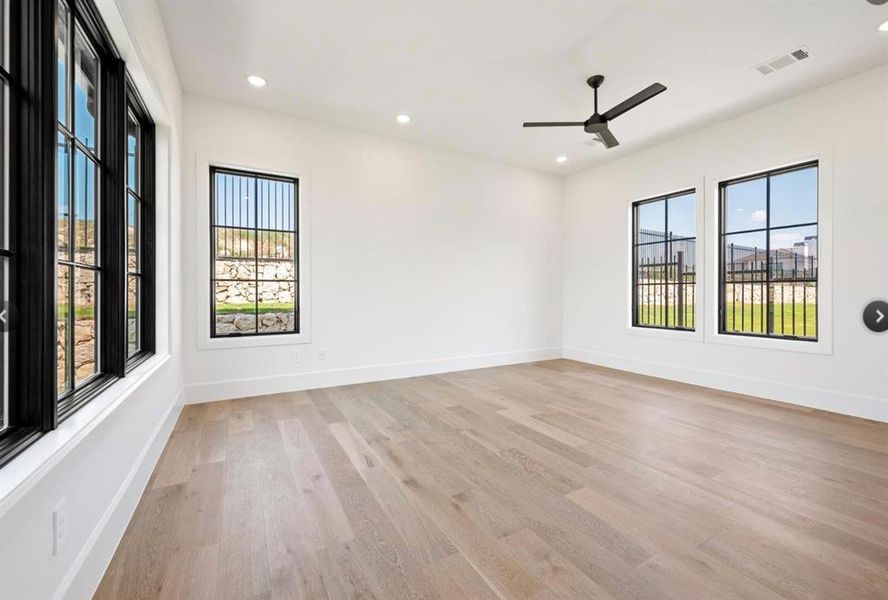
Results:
x,y
133,236
254,239
768,254
139,219
664,262
78,275
5,248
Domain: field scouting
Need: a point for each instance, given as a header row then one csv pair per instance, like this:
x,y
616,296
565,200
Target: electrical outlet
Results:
x,y
59,527
297,356
322,355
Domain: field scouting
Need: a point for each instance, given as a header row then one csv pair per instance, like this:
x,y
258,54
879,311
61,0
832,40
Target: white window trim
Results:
x,y
823,345
700,287
28,468
202,252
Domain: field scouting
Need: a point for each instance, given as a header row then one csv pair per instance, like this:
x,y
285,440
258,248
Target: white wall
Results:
x,y
846,124
422,260
97,463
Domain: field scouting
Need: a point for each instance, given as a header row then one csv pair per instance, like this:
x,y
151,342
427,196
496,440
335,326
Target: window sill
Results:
x,y
669,334
28,468
253,341
821,346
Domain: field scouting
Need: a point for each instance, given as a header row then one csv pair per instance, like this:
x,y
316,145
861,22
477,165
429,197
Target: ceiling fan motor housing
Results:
x,y
595,124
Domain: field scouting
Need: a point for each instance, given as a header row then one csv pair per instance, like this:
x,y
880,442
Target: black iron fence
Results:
x,y
665,277
254,217
744,263
233,243
770,292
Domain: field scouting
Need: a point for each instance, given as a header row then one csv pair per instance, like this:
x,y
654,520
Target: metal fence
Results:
x,y
254,218
744,263
768,292
234,244
665,277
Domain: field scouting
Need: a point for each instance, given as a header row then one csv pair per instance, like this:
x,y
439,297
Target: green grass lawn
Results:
x,y
742,318
657,316
749,318
88,312
80,312
246,308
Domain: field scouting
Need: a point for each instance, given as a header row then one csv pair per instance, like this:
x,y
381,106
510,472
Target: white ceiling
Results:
x,y
469,73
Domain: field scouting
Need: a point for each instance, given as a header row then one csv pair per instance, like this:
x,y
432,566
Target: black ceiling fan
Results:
x,y
597,124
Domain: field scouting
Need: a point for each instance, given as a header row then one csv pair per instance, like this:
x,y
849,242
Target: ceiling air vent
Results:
x,y
800,54
784,60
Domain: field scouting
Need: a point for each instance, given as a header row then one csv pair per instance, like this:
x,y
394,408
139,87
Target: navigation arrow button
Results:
x,y
874,316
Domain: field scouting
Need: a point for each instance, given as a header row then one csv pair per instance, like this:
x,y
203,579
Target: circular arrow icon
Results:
x,y
875,316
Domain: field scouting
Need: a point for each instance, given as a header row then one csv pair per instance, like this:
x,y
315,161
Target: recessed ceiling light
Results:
x,y
403,119
560,159
883,26
256,81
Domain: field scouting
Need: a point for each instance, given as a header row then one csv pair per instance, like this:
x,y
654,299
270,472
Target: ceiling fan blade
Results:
x,y
630,103
555,124
607,138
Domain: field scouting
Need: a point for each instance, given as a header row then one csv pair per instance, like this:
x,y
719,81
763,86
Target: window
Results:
x,y
79,169
255,263
5,249
768,254
664,262
133,236
66,253
139,229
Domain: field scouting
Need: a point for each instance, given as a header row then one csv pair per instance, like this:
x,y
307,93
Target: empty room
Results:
x,y
453,300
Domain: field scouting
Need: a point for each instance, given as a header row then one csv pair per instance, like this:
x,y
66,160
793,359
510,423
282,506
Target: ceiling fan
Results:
x,y
597,124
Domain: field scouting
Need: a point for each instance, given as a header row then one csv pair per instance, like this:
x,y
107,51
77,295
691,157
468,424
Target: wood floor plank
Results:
x,y
139,568
453,577
563,579
547,481
324,512
421,536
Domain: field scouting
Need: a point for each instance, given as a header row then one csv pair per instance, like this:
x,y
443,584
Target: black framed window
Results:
x,y
79,171
664,265
65,103
768,259
254,241
139,226
5,246
133,236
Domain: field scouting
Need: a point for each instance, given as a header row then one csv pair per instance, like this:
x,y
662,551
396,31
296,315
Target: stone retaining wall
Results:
x,y
84,288
84,349
246,323
281,289
750,293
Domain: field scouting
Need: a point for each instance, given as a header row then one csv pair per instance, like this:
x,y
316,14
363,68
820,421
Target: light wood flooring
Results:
x,y
554,480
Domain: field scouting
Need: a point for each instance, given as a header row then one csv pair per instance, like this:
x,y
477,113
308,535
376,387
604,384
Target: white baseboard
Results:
x,y
257,386
856,405
85,574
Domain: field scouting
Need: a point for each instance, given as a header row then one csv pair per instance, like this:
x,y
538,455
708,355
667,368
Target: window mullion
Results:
x,y
256,246
32,227
112,149
769,312
666,258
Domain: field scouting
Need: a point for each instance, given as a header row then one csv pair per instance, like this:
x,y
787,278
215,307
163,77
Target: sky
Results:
x,y
237,207
793,202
